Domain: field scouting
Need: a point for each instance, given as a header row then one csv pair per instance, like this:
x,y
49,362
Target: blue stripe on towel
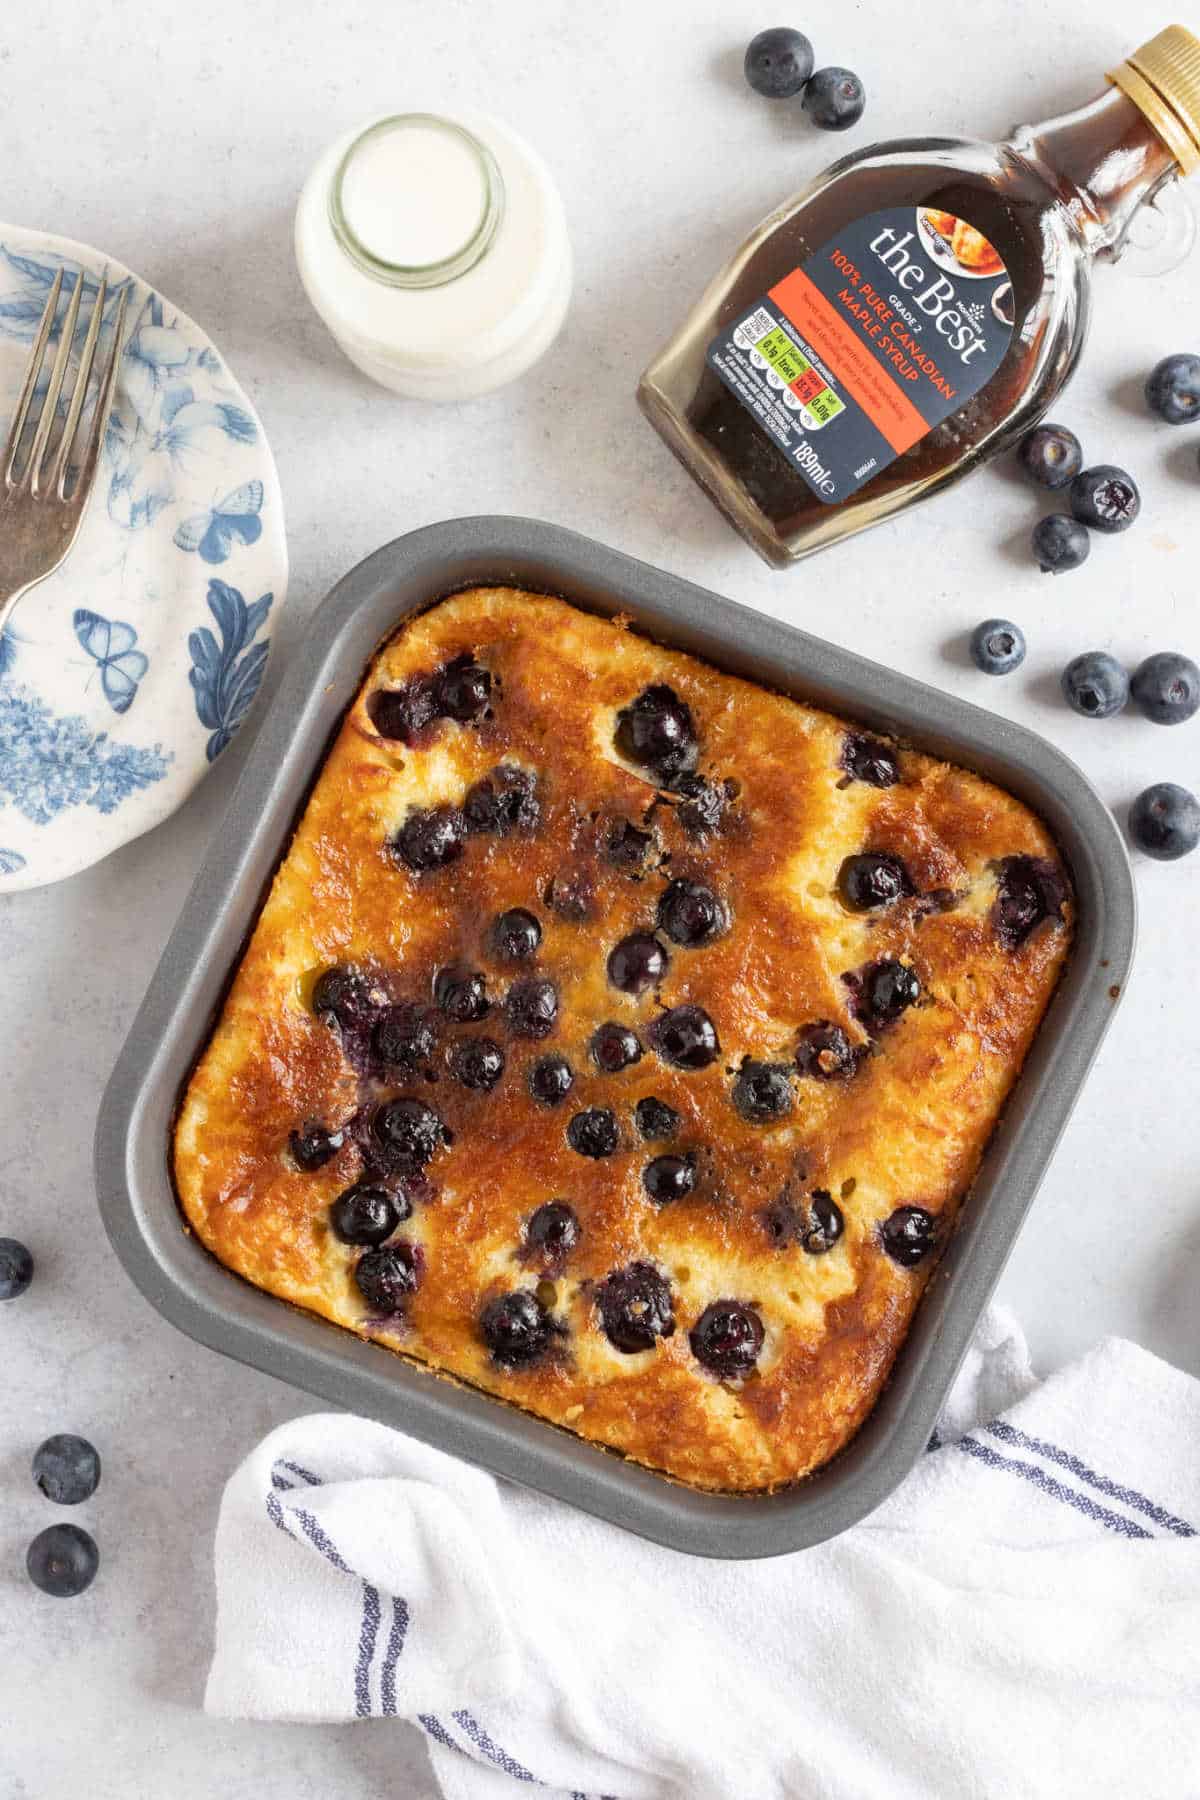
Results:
x,y
1008,1434
493,1752
1091,1509
391,1656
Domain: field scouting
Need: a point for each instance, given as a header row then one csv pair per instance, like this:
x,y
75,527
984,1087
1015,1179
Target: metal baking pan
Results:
x,y
220,1309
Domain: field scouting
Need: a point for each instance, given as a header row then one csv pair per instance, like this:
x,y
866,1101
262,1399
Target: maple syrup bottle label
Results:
x,y
887,330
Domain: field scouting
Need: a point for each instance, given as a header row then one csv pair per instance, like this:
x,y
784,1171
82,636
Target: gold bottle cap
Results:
x,y
1163,81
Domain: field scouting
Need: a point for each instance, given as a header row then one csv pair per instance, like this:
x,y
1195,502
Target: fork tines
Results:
x,y
44,472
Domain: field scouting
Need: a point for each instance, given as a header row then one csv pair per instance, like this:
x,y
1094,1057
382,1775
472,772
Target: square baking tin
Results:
x,y
186,1283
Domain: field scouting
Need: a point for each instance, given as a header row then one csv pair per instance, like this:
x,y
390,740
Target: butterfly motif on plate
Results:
x,y
212,533
112,646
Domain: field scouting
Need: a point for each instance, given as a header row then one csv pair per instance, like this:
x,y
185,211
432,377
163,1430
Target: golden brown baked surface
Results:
x,y
797,1217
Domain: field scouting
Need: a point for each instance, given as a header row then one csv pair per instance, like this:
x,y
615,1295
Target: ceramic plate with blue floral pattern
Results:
x,y
124,675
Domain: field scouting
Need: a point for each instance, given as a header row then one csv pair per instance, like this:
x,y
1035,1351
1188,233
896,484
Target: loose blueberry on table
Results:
x,y
476,1063
669,1178
727,1339
637,963
1173,389
778,62
686,1037
551,1080
871,880
516,1328
1164,821
636,1309
908,1235
614,1047
656,1121
1060,543
387,1277
1095,685
997,647
16,1268
690,914
551,1233
834,99
762,1092
1106,498
66,1468
594,1132
1166,687
1051,455
368,1214
62,1561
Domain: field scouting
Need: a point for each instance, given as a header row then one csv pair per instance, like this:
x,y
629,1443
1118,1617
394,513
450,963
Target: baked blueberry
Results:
x,y
825,1052
1028,890
778,62
67,1469
691,914
342,993
1095,685
1060,543
531,1007
762,1092
405,1038
1164,821
884,990
702,807
516,1328
871,880
626,846
1173,389
409,1131
1051,455
656,1121
997,647
386,1277
16,1268
1167,688
551,1080
657,732
516,934
430,839
614,1047
727,1338
594,1132
313,1146
570,894
504,801
476,1062
908,1235
461,994
820,1224
834,99
62,1561
464,690
1106,498
368,1214
403,713
669,1178
686,1037
637,962
551,1233
870,759
635,1308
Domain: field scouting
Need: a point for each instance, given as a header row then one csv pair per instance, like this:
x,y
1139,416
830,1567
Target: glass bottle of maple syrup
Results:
x,y
913,311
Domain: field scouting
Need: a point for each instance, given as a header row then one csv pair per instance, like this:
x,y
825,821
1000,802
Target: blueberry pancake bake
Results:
x,y
622,1038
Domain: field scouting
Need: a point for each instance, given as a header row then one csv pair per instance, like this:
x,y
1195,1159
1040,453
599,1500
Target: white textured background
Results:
x,y
177,139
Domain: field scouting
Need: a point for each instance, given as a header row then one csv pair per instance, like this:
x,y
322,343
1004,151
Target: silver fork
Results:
x,y
40,510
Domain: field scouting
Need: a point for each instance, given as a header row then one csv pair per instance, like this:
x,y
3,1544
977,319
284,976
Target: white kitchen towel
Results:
x,y
1022,1618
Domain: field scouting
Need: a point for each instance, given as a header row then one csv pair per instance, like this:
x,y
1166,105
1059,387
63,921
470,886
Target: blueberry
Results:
x,y
1051,454
402,714
908,1235
1095,685
635,1308
16,1268
516,934
778,62
551,1233
656,1121
367,1214
1167,687
1173,389
409,1132
461,994
869,759
691,914
516,1328
657,732
476,1062
405,1038
884,990
594,1132
388,1276
763,1091
430,840
669,1178
504,801
871,880
637,962
342,993
464,690
626,846
727,1338
570,895
1106,498
1028,890
686,1037
821,1223
702,808
834,99
551,1080
531,1008
313,1146
997,647
67,1469
1164,821
614,1047
1060,543
824,1051
62,1561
